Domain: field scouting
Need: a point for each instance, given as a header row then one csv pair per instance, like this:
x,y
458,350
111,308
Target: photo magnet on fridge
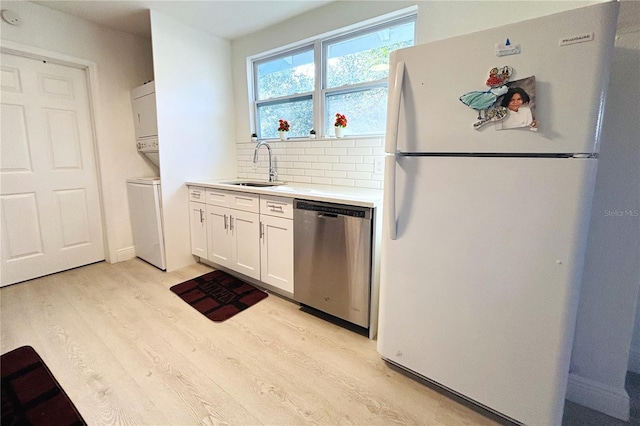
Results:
x,y
520,102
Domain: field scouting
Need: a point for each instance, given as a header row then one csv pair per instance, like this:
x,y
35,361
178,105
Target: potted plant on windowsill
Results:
x,y
312,134
340,124
283,128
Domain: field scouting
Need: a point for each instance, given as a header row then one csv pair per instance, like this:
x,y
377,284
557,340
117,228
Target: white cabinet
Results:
x,y
218,236
233,240
143,100
233,231
198,229
276,242
245,243
249,233
198,221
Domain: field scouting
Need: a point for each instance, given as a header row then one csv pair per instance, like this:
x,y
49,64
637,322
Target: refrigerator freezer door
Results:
x,y
479,291
571,81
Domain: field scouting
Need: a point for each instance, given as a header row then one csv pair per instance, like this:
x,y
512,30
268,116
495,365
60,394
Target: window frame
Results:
x,y
280,99
319,45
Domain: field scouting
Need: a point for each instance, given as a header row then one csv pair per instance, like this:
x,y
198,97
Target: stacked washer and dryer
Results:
x,y
144,193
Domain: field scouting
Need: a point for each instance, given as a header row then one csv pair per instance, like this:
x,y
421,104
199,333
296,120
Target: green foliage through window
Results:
x,y
287,75
298,112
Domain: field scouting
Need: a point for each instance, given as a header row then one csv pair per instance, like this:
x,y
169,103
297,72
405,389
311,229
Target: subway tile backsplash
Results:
x,y
341,162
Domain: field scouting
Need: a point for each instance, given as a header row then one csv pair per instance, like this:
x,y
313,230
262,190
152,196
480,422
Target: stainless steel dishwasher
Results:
x,y
332,259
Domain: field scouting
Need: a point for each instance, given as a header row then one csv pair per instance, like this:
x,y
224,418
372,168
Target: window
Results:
x,y
284,88
354,67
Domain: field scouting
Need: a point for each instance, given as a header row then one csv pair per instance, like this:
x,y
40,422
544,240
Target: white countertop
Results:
x,y
363,197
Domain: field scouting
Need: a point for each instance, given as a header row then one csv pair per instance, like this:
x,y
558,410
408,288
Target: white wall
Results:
x,y
123,62
195,121
609,293
612,265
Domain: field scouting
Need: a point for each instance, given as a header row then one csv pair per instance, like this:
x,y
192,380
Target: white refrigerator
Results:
x,y
486,224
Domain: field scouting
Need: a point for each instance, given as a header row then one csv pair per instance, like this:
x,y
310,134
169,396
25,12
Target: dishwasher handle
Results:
x,y
328,215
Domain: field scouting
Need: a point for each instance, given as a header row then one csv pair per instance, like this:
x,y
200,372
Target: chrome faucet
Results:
x,y
272,172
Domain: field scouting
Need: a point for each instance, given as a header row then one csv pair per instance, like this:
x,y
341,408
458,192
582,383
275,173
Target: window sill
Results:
x,y
324,138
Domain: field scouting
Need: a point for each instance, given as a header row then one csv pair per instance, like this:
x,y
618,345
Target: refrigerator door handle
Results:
x,y
391,141
389,202
391,147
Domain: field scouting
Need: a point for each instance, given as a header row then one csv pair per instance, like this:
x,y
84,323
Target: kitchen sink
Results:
x,y
254,183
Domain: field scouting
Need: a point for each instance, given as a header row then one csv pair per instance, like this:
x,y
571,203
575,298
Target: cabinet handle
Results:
x,y
261,229
275,207
138,118
225,221
201,216
231,222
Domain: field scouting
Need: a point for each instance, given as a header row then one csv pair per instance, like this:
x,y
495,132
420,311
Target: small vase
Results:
x,y
283,135
339,131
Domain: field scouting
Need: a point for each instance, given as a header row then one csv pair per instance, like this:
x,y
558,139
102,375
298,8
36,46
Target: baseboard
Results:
x,y
606,399
634,359
125,254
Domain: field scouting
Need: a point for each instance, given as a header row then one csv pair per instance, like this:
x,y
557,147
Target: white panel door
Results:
x,y
219,235
50,207
276,252
246,248
198,221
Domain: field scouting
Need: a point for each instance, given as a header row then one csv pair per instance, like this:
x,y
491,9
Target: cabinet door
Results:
x,y
198,229
145,116
219,236
246,243
276,252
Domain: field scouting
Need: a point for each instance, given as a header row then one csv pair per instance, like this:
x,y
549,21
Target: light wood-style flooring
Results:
x,y
129,351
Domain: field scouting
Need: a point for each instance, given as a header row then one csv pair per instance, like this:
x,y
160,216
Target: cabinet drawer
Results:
x,y
197,194
276,206
234,200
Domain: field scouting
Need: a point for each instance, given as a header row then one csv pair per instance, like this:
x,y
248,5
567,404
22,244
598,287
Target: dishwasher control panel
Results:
x,y
361,212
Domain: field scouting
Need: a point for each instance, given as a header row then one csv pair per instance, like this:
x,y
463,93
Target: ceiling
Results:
x,y
224,18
